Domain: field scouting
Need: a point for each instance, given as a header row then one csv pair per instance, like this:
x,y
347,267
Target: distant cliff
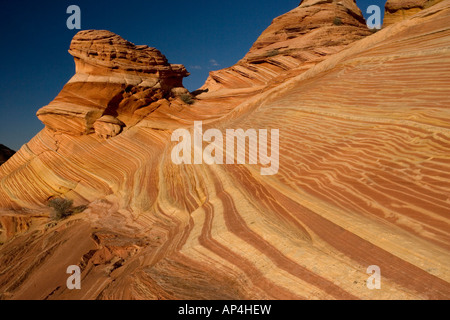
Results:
x,y
5,153
363,180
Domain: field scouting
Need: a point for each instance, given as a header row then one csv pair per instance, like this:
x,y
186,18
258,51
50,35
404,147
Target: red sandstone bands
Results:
x,y
364,129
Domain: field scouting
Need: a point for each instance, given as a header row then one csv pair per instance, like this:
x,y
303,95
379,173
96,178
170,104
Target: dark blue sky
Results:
x,y
202,35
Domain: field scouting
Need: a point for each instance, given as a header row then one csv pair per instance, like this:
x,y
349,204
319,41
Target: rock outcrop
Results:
x,y
363,180
296,41
398,10
114,78
108,126
5,153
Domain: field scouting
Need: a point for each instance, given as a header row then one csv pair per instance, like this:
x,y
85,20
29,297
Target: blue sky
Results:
x,y
202,35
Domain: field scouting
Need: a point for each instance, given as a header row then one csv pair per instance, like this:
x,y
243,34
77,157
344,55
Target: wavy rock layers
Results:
x,y
114,78
363,181
398,10
300,38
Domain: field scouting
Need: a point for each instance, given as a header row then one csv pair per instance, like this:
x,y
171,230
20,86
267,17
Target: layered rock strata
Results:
x,y
363,180
113,78
296,41
398,10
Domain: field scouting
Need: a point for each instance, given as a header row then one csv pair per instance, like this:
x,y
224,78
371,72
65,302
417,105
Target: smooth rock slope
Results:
x,y
363,179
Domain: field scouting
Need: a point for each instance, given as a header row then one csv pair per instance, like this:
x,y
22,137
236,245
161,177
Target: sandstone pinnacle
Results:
x,y
113,77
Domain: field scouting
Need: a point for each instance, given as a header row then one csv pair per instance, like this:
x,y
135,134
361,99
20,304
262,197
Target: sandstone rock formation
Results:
x,y
398,10
5,153
108,126
363,180
113,78
294,42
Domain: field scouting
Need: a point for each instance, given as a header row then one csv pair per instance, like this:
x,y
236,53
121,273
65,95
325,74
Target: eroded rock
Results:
x,y
113,76
108,126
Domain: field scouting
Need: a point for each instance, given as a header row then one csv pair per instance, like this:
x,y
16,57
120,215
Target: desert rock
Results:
x,y
363,180
294,42
113,77
398,10
108,126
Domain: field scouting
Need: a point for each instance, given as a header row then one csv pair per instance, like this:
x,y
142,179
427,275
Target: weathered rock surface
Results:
x,y
363,180
294,42
113,77
398,10
108,126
